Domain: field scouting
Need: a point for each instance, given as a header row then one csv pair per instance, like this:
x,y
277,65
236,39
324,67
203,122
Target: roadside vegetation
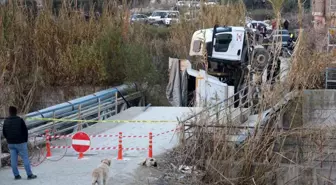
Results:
x,y
45,50
284,149
40,50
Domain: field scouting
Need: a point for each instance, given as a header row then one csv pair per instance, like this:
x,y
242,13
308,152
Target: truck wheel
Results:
x,y
260,59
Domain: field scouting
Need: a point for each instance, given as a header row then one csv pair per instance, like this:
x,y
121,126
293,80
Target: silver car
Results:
x,y
141,18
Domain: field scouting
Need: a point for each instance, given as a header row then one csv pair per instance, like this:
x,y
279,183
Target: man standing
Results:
x,y
16,133
286,24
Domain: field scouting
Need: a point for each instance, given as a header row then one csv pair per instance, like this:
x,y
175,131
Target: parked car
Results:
x,y
278,36
280,32
209,3
194,4
253,25
141,18
281,37
166,17
182,4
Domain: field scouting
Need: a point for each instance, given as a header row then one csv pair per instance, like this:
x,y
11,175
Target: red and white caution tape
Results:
x,y
100,148
113,135
60,136
166,132
135,148
59,147
104,135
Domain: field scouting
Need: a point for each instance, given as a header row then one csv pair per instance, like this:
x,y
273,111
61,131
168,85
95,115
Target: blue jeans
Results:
x,y
22,150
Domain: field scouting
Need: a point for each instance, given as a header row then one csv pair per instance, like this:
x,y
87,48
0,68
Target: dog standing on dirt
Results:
x,y
101,173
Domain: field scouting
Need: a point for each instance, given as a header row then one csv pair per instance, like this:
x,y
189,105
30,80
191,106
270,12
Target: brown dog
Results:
x,y
101,173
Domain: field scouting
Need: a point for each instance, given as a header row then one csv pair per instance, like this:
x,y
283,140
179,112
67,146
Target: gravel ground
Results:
x,y
166,173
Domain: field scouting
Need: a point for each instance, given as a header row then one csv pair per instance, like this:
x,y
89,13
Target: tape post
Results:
x,y
102,121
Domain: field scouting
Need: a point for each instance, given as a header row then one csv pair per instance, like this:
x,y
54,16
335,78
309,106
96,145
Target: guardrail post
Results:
x,y
120,155
54,117
150,148
48,143
0,147
79,127
116,103
241,95
99,108
182,133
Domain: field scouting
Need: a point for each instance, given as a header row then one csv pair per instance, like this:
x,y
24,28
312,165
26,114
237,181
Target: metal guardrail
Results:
x,y
330,78
227,112
332,5
224,111
331,38
99,111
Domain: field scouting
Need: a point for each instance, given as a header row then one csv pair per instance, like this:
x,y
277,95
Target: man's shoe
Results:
x,y
32,177
18,177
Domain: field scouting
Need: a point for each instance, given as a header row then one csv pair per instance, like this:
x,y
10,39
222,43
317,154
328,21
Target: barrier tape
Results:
x,y
112,135
99,148
103,121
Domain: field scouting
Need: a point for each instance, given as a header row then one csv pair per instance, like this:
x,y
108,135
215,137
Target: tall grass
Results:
x,y
67,50
266,155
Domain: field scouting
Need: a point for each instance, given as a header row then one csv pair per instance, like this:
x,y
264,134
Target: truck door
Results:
x,y
228,45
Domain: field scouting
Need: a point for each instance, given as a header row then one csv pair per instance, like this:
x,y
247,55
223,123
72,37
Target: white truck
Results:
x,y
231,52
232,55
164,17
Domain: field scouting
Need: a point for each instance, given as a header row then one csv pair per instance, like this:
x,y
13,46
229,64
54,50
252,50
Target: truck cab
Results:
x,y
223,44
226,47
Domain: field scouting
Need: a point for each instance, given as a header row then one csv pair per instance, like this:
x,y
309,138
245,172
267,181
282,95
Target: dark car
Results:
x,y
141,18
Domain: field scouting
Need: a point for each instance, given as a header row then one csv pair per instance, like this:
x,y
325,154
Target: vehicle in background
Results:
x,y
280,32
180,4
254,24
194,4
140,18
209,3
280,37
283,37
164,17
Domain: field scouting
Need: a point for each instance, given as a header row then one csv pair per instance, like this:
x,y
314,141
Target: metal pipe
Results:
x,y
84,101
88,113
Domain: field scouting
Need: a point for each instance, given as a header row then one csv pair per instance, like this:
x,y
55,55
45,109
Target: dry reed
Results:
x,y
275,146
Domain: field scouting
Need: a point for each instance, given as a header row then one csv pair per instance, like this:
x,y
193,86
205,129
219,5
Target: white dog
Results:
x,y
149,162
101,173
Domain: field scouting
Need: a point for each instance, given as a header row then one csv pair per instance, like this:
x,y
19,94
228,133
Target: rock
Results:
x,y
152,180
187,169
181,177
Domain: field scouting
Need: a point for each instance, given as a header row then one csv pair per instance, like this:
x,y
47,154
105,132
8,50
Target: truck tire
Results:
x,y
261,58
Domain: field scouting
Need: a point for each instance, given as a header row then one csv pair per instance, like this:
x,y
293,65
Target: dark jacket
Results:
x,y
286,25
15,130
